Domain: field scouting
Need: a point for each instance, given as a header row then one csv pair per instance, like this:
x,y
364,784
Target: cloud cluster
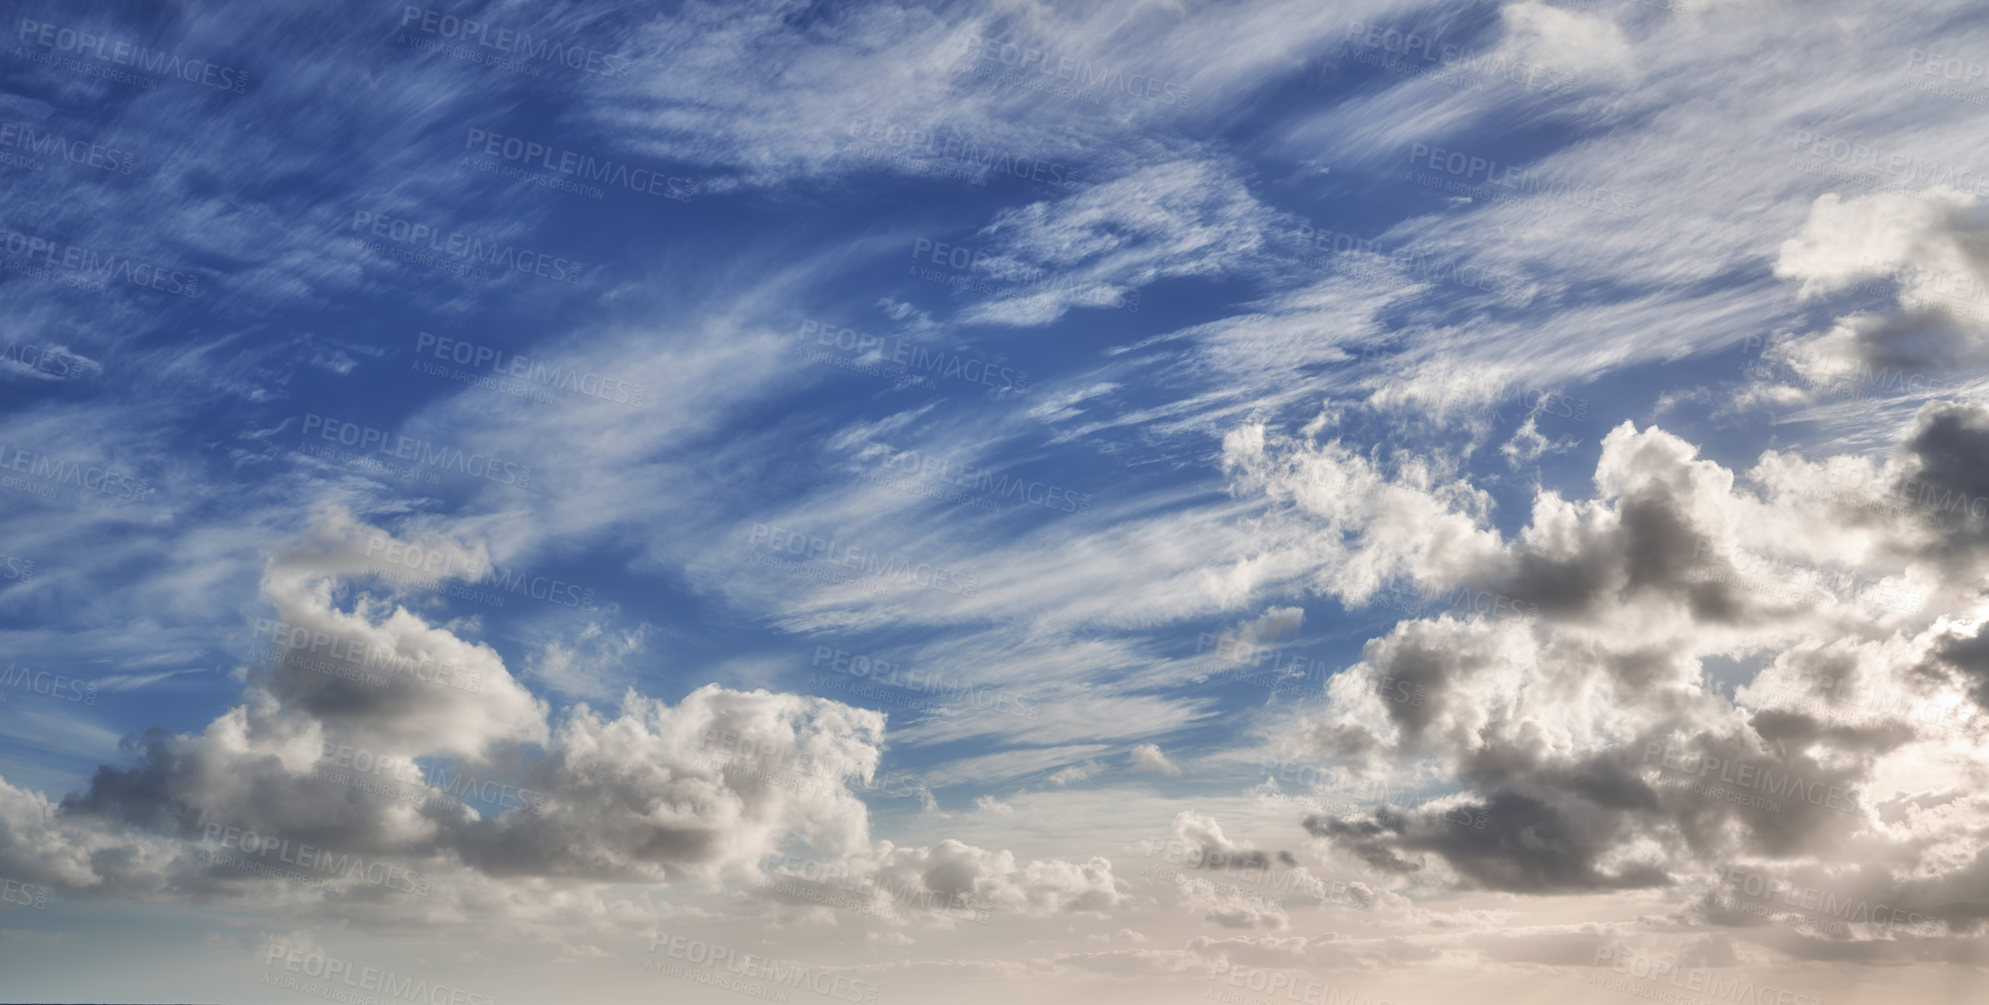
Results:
x,y
1714,677
349,742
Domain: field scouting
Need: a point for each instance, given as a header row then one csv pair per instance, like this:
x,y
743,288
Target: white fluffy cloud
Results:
x,y
1921,252
475,790
1147,757
1579,709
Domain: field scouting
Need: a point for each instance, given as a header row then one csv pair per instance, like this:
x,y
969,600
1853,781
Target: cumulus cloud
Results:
x,y
1925,251
1148,759
1576,708
479,788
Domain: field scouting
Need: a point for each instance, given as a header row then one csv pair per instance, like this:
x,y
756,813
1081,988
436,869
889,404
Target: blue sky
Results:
x,y
593,400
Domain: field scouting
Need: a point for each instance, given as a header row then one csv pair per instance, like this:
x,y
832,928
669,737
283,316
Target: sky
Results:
x,y
1259,502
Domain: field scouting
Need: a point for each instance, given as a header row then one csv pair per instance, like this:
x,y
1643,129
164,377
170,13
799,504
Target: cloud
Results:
x,y
1070,775
1146,757
1928,252
1229,905
957,880
1271,626
1631,666
1528,444
1095,247
655,792
707,790
1635,774
1208,848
